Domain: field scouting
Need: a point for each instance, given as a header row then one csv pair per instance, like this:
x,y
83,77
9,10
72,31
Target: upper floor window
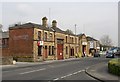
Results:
x,y
72,39
39,35
75,40
51,37
45,36
66,39
5,42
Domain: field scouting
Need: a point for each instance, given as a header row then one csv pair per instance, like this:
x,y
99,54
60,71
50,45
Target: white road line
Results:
x,y
63,77
55,79
75,73
68,75
33,71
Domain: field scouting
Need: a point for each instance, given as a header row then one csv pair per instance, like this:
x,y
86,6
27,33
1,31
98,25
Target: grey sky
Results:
x,y
94,18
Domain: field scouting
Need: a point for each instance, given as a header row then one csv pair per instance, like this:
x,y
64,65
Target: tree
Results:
x,y
106,40
0,28
69,31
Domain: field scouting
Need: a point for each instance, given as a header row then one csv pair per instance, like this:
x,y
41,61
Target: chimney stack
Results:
x,y
44,21
54,23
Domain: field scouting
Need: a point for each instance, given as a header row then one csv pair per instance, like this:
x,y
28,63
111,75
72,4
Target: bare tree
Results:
x,y
106,40
0,28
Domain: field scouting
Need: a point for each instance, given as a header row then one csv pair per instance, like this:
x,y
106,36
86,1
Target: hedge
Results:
x,y
114,66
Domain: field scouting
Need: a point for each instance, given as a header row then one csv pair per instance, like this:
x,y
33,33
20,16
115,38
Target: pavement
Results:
x,y
100,72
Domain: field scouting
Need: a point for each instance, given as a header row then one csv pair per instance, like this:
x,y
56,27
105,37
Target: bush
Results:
x,y
114,66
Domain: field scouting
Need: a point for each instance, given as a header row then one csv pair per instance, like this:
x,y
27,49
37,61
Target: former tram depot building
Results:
x,y
35,42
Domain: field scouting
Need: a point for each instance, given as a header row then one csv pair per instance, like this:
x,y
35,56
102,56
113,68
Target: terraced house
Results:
x,y
35,42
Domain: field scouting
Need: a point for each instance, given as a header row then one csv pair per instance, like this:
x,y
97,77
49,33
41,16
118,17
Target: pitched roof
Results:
x,y
56,29
31,25
80,35
91,39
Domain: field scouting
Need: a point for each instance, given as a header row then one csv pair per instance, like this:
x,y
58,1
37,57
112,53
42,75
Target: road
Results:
x,y
63,70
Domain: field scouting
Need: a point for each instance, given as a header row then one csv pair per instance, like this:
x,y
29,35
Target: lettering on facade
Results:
x,y
21,37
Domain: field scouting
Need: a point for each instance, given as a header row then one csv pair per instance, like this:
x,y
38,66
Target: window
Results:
x,y
76,49
5,42
51,37
72,39
39,50
66,39
45,37
49,50
66,50
39,35
75,40
52,50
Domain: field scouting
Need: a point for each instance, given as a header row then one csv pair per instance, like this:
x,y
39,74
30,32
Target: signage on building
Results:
x,y
40,43
91,44
84,43
98,47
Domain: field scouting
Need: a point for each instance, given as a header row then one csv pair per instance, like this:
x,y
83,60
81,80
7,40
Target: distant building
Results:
x,y
93,45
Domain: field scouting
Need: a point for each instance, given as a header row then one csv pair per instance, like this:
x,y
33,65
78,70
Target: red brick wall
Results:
x,y
21,41
5,52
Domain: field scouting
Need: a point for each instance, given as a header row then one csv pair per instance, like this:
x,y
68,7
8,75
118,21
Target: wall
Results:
x,y
21,42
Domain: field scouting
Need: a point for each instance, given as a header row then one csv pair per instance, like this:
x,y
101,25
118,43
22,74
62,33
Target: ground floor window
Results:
x,y
52,50
49,50
66,50
39,50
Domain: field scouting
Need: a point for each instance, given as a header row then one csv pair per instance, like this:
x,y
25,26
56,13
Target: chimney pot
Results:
x,y
54,23
44,21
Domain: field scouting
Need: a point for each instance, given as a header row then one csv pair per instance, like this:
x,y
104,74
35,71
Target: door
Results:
x,y
84,50
45,51
39,50
60,51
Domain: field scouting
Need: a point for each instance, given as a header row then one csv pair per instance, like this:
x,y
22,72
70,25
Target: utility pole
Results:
x,y
49,16
75,29
84,28
75,41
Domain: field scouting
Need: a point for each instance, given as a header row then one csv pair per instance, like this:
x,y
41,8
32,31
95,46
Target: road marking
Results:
x,y
75,73
55,79
68,75
33,71
63,77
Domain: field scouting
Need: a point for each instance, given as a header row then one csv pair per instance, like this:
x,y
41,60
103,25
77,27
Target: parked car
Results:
x,y
110,54
97,54
117,53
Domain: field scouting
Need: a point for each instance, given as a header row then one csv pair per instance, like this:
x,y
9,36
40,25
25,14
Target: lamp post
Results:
x,y
54,45
75,42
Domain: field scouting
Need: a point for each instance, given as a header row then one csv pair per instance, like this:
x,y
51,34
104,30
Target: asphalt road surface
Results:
x,y
65,70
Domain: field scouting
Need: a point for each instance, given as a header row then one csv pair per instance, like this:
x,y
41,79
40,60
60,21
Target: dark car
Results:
x,y
117,53
97,54
110,54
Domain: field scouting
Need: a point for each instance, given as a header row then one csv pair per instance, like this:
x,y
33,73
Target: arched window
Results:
x,y
51,37
39,35
45,37
66,39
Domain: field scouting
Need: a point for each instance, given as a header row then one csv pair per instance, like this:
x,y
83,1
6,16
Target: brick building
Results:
x,y
35,42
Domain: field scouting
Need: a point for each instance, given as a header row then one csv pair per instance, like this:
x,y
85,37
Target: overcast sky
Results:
x,y
92,18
